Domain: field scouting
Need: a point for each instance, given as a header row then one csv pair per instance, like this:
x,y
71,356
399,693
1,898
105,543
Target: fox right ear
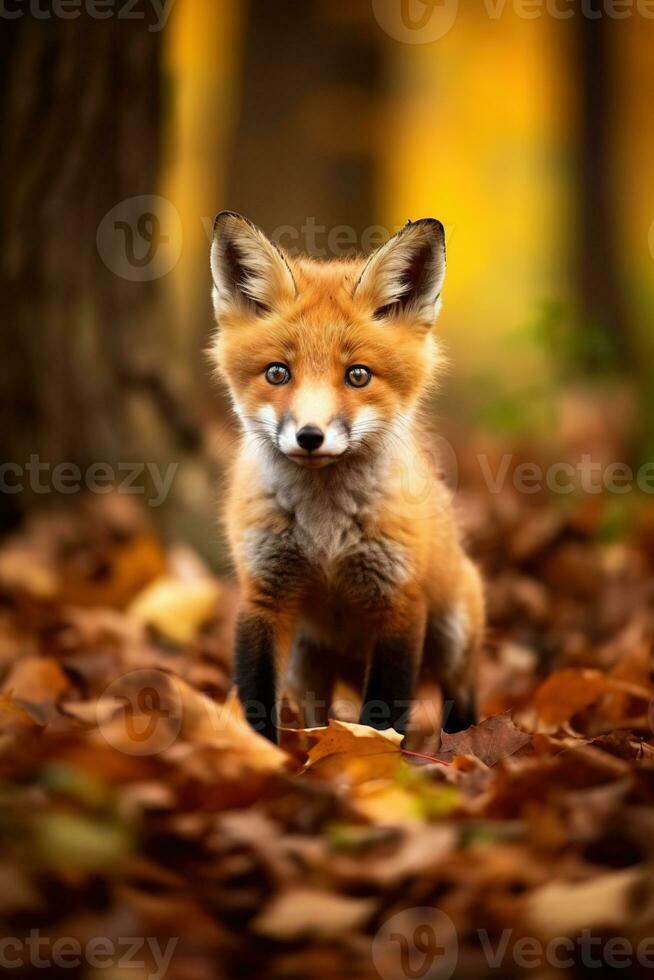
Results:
x,y
249,271
406,273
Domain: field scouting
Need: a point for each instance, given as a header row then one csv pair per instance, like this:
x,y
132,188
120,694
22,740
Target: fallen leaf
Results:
x,y
176,609
566,692
493,739
72,842
24,568
562,908
12,716
36,684
385,803
396,803
224,726
356,751
16,890
302,912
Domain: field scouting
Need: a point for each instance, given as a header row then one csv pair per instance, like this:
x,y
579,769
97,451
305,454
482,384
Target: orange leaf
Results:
x,y
566,692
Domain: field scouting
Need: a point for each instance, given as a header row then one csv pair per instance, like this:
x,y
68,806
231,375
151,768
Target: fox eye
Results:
x,y
358,376
277,374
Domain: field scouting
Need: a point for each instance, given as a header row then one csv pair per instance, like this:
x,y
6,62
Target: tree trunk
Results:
x,y
85,330
303,156
609,341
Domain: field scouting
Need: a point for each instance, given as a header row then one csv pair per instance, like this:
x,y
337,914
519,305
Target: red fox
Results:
x,y
345,574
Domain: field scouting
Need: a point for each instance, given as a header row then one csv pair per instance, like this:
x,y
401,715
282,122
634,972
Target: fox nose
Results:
x,y
310,437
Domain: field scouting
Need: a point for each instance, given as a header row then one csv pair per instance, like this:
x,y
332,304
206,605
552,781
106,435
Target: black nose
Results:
x,y
310,437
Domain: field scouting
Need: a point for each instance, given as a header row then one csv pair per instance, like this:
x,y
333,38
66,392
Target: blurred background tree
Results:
x,y
85,359
530,138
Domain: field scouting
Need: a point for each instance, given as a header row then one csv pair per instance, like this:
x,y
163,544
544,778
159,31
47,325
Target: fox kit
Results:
x,y
347,571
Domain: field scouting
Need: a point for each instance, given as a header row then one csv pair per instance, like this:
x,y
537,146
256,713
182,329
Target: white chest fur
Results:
x,y
330,521
331,513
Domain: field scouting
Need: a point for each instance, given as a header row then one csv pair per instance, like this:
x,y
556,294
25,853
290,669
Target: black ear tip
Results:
x,y
224,216
436,230
435,225
432,225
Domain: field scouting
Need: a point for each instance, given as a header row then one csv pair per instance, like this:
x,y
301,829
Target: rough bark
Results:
x,y
82,347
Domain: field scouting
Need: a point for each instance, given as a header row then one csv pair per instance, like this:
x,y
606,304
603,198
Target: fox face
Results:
x,y
325,359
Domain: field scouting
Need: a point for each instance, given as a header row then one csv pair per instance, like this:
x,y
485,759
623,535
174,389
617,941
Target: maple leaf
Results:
x,y
364,752
493,739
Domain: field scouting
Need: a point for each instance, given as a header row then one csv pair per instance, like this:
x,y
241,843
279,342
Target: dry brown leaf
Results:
x,y
492,739
24,568
302,912
37,684
126,569
356,752
566,692
562,908
176,609
12,716
224,726
17,890
421,847
387,804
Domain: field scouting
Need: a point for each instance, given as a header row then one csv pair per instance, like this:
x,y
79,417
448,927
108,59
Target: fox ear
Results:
x,y
406,273
249,271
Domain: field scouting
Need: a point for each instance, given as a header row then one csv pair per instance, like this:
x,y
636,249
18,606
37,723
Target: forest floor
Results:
x,y
147,832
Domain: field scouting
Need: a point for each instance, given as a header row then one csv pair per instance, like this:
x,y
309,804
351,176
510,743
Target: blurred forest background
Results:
x,y
531,139
135,801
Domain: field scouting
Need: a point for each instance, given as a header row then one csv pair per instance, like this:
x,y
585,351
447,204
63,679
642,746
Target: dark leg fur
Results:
x,y
311,674
254,673
390,685
458,714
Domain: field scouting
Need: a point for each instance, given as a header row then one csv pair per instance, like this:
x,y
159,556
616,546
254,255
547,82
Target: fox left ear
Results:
x,y
406,273
249,271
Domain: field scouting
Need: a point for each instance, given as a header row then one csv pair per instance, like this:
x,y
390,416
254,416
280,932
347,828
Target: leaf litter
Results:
x,y
135,800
